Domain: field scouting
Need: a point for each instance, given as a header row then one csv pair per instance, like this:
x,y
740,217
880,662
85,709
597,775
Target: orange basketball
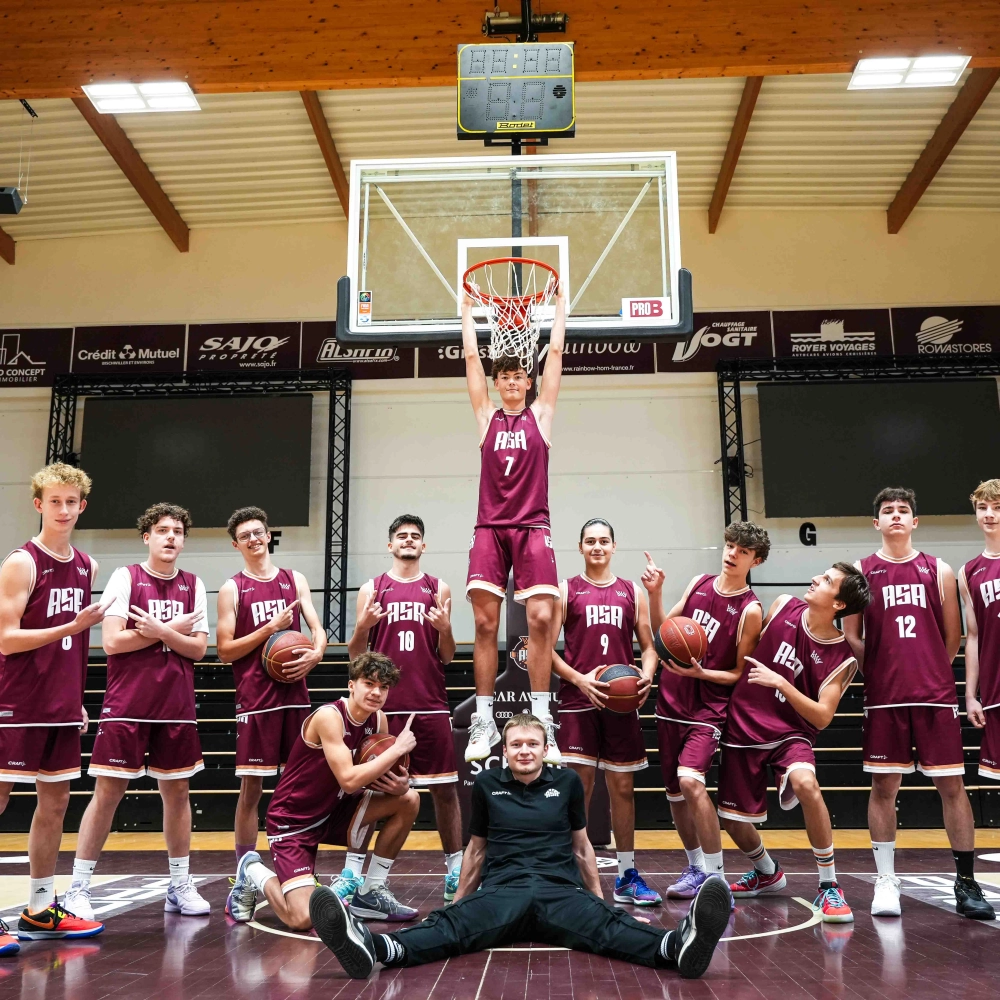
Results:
x,y
623,694
278,650
681,639
374,746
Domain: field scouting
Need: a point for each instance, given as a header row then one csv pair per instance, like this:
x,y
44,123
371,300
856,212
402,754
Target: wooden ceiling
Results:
x,y
49,48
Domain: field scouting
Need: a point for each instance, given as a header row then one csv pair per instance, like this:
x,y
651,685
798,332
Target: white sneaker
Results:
x,y
483,736
77,901
552,752
186,900
886,901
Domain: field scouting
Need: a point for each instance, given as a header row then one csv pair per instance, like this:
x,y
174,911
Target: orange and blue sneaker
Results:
x,y
8,943
631,888
55,922
831,901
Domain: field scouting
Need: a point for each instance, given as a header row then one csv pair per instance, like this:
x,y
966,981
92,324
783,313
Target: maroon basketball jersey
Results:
x,y
982,577
411,642
684,699
257,602
600,623
44,686
760,716
307,791
906,662
154,684
514,481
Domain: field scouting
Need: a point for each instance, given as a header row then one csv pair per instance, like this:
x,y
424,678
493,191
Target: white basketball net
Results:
x,y
512,290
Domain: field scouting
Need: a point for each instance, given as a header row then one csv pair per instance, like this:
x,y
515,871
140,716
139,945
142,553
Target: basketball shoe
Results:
x,y
483,736
77,901
885,902
55,922
242,898
632,888
687,886
831,901
8,943
379,903
346,884
756,883
186,900
970,901
552,753
698,933
451,881
346,936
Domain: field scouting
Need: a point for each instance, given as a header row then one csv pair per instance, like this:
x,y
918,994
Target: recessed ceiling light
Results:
x,y
132,98
922,71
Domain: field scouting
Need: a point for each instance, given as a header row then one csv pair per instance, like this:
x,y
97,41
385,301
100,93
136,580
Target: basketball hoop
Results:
x,y
513,291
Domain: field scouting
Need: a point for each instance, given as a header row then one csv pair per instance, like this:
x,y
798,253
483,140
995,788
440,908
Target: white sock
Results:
x,y
825,865
179,870
713,864
378,872
484,706
885,856
41,893
540,705
83,871
696,859
258,874
762,861
626,860
453,861
355,863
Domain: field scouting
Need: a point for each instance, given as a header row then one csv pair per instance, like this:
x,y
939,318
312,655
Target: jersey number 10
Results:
x,y
406,642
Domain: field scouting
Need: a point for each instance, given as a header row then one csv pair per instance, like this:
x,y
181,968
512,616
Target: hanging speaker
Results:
x,y
10,201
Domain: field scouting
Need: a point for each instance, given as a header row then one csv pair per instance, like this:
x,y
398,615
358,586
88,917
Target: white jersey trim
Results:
x,y
128,718
429,711
264,711
35,725
913,704
767,746
687,722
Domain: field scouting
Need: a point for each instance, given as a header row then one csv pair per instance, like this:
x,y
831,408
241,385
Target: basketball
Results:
x,y
374,746
623,694
278,650
680,640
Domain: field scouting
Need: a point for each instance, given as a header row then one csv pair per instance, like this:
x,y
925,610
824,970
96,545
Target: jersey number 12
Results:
x,y
906,623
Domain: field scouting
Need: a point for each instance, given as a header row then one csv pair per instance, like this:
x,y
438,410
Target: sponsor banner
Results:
x,y
128,349
33,357
242,346
321,349
605,357
966,331
447,360
718,337
832,333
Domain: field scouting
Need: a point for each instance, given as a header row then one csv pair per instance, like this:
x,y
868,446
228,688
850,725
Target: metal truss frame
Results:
x,y
731,374
336,382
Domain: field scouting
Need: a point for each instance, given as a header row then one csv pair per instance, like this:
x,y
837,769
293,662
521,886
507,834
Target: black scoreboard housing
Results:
x,y
521,89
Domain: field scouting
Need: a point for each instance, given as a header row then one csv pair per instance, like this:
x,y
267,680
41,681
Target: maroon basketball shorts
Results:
x,y
293,852
265,739
686,750
432,760
743,778
892,734
121,749
602,739
39,753
989,751
528,551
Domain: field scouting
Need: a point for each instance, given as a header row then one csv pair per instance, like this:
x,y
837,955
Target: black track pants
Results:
x,y
551,913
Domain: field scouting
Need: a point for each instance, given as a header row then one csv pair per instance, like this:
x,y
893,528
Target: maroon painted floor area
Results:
x,y
145,953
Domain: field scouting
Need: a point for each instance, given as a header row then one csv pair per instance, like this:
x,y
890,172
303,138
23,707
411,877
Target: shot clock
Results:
x,y
518,89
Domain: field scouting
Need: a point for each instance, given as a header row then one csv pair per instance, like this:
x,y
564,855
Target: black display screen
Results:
x,y
828,448
210,455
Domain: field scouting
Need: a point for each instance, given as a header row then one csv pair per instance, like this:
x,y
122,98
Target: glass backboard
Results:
x,y
608,223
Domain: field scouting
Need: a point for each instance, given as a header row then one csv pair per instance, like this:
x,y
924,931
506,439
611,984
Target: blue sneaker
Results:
x,y
346,884
243,895
451,884
632,888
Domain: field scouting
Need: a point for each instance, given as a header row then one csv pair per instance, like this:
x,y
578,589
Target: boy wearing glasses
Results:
x,y
259,601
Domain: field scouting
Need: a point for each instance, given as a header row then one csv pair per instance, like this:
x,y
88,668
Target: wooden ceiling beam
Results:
x,y
118,144
970,98
6,247
50,48
736,138
327,146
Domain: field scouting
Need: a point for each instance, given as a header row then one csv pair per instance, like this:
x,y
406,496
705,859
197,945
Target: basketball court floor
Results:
x,y
775,946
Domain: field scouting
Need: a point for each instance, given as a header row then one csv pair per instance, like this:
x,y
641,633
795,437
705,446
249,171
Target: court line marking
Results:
x,y
816,918
482,978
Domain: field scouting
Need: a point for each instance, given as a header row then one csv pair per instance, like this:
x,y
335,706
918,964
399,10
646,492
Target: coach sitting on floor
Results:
x,y
528,874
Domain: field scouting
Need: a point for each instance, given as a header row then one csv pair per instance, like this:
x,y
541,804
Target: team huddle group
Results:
x,y
765,686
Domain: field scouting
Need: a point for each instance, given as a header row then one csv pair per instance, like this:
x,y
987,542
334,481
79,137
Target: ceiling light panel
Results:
x,y
896,71
136,98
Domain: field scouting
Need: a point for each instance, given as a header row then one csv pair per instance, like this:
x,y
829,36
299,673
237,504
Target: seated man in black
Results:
x,y
529,874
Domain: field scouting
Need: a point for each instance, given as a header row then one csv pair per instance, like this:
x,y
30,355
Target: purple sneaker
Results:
x,y
687,886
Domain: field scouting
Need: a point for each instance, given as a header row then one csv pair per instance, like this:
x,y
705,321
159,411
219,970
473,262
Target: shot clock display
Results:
x,y
521,89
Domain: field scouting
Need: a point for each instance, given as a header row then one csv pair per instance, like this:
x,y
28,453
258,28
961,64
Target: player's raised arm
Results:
x,y
350,776
475,376
545,405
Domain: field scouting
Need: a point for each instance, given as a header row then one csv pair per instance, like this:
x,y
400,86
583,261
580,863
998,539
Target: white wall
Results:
x,y
639,450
